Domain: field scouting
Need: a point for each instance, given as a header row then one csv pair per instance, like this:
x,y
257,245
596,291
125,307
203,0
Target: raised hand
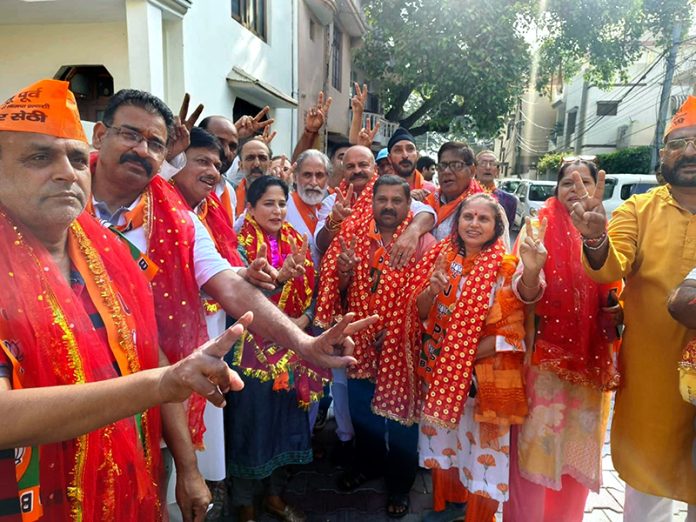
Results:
x,y
293,266
588,214
281,172
347,260
267,136
317,115
180,139
247,126
260,272
367,134
419,194
333,348
359,99
532,250
439,279
342,206
204,372
404,248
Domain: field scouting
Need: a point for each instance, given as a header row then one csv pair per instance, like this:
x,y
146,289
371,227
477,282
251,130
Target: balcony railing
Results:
x,y
386,127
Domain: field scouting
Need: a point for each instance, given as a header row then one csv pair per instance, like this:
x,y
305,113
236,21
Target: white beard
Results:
x,y
311,198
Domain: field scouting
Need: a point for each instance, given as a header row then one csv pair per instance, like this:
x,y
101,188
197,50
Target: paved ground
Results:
x,y
313,488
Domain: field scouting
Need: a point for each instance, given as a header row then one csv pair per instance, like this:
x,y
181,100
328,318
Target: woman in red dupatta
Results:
x,y
571,373
267,425
465,327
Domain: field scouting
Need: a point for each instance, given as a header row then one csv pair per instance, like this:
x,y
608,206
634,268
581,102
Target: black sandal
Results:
x,y
398,505
351,480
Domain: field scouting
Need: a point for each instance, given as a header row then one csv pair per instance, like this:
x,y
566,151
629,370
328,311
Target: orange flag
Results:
x,y
45,107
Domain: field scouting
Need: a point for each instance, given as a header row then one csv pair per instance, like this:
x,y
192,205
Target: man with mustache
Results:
x,y
352,203
172,245
77,310
403,156
357,276
456,167
651,242
254,162
486,174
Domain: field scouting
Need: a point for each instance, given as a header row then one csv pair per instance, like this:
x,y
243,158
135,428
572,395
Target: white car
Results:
x,y
531,195
619,187
508,185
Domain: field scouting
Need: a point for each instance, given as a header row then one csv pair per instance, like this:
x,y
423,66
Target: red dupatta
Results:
x,y
216,220
111,473
264,359
570,340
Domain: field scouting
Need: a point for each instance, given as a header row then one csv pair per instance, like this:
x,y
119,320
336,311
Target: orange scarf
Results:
x,y
308,212
226,201
111,472
446,210
446,346
240,191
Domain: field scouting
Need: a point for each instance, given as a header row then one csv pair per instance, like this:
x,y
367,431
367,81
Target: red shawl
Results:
x,y
571,340
110,473
180,321
264,359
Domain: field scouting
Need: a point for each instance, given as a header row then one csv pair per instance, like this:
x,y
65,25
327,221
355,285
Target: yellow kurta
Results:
x,y
652,245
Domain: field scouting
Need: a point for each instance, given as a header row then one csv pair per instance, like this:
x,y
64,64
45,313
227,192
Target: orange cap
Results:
x,y
46,107
685,116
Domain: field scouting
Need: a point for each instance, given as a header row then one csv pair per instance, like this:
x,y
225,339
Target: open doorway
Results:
x,y
92,86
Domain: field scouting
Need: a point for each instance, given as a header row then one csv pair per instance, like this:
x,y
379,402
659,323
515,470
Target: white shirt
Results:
x,y
207,261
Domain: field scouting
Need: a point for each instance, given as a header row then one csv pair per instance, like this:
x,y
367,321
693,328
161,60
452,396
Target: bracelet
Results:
x,y
332,224
594,241
521,280
597,243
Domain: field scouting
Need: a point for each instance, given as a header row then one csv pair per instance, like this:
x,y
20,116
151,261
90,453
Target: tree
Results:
x,y
459,66
454,60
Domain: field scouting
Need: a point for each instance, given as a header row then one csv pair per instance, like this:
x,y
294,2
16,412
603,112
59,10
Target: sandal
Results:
x,y
351,480
289,514
398,505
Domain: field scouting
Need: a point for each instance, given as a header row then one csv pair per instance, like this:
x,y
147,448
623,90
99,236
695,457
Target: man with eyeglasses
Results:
x,y
456,168
172,246
651,242
403,156
486,174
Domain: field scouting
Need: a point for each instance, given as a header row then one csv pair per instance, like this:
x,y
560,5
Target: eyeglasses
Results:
x,y
454,166
679,144
133,138
573,159
489,163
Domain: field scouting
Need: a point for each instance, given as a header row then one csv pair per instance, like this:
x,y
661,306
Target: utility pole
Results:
x,y
664,97
581,122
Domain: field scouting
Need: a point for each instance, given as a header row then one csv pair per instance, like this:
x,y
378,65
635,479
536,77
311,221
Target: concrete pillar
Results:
x,y
145,46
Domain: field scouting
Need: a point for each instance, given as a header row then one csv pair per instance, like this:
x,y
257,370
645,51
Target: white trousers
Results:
x,y
642,507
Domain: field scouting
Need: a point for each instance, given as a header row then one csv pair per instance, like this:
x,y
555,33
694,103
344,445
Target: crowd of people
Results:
x,y
179,300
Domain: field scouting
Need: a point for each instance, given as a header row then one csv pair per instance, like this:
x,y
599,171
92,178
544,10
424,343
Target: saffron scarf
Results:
x,y
446,347
170,233
308,212
240,192
446,210
571,339
264,359
110,473
226,201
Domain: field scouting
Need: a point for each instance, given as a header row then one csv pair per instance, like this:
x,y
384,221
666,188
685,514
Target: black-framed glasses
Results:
x,y
133,138
573,159
679,144
454,166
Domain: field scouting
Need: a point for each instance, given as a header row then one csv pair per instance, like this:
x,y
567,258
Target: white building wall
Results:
x,y
34,52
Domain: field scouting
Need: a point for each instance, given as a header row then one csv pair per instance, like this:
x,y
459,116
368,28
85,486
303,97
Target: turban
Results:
x,y
45,107
401,134
685,116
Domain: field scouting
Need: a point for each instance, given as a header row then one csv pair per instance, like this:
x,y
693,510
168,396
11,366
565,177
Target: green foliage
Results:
x,y
632,160
603,37
463,62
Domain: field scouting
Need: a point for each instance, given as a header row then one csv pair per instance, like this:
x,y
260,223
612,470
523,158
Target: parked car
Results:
x,y
620,187
508,185
531,195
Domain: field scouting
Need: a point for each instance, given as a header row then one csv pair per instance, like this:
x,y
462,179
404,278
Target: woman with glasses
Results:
x,y
557,455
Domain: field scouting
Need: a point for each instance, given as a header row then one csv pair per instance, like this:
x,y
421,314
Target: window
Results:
x,y
609,184
607,108
541,192
252,15
93,87
336,58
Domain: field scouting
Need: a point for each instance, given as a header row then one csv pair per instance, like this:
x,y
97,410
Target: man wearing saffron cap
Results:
x,y
651,242
76,310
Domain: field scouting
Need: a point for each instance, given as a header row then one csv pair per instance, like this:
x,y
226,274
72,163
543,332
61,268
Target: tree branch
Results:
x,y
397,109
422,129
418,113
